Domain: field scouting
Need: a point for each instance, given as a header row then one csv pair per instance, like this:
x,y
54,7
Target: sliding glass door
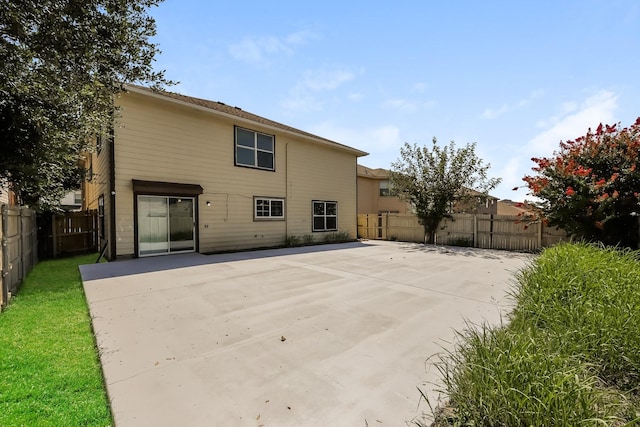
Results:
x,y
165,225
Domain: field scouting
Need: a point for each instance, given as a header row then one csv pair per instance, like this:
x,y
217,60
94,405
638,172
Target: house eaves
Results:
x,y
238,115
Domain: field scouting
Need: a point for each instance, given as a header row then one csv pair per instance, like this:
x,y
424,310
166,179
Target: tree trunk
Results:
x,y
429,235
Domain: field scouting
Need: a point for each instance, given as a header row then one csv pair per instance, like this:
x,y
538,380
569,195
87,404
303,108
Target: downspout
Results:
x,y
357,199
112,194
286,191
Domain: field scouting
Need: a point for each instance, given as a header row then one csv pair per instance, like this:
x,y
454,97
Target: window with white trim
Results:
x,y
254,149
325,216
268,208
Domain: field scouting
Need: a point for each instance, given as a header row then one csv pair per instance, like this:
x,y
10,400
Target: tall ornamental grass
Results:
x,y
569,354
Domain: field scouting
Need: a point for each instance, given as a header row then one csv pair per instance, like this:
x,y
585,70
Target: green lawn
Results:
x,y
50,371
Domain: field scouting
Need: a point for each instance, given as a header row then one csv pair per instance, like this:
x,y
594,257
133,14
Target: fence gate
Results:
x,y
74,233
69,233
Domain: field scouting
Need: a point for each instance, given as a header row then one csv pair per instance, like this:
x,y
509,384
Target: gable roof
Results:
x,y
237,113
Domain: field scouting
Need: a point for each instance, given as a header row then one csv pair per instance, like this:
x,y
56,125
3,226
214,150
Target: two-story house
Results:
x,y
181,174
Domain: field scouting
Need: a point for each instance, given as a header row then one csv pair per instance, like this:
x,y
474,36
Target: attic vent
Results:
x,y
221,103
238,108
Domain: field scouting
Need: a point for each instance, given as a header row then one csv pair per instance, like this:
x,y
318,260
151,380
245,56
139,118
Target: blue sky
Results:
x,y
516,77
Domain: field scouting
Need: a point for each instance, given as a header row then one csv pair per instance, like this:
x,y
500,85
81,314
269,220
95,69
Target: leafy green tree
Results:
x,y
61,63
591,186
434,179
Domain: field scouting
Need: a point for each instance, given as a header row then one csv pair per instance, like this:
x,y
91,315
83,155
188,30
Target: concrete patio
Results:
x,y
335,335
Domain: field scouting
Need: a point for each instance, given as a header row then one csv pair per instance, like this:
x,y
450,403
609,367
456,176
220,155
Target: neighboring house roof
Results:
x,y
373,173
479,194
237,113
381,173
508,207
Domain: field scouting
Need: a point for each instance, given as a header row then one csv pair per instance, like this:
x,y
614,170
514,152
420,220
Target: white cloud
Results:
x,y
565,109
355,97
302,97
400,104
511,174
420,87
385,137
258,50
301,38
382,140
407,105
301,103
492,113
574,121
326,79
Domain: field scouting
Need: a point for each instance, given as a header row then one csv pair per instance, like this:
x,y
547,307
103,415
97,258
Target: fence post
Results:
x,y
491,232
475,230
386,227
5,256
34,239
20,252
21,243
541,225
54,236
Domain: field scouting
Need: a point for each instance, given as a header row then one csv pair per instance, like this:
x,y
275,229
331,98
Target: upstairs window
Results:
x,y
254,149
268,208
325,216
386,189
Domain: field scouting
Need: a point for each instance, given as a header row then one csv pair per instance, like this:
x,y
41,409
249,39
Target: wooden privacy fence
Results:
x,y
74,233
18,233
481,231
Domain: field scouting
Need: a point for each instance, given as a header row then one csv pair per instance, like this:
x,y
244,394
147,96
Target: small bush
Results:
x,y
292,241
461,241
309,239
337,237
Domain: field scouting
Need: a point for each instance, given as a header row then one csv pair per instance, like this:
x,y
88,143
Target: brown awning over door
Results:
x,y
166,188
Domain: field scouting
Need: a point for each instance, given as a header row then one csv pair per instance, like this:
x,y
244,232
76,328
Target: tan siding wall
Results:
x,y
98,185
366,191
370,201
4,195
393,204
319,173
159,141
